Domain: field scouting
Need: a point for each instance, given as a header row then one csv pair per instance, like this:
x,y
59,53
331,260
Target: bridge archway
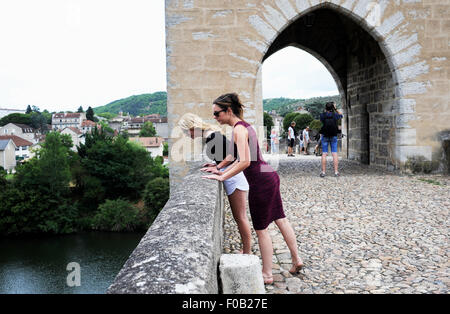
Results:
x,y
365,76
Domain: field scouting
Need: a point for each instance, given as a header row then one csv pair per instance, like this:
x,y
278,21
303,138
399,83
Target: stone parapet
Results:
x,y
181,250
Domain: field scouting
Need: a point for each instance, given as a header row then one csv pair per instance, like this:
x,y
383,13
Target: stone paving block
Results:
x,y
241,274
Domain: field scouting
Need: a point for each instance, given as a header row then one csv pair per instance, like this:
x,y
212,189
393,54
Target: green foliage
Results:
x,y
268,123
281,105
107,115
16,118
28,110
147,130
314,106
122,168
137,105
156,196
303,120
166,149
90,114
315,125
36,200
80,109
117,215
3,174
288,119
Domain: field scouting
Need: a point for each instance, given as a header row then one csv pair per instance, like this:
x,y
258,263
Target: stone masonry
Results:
x,y
389,60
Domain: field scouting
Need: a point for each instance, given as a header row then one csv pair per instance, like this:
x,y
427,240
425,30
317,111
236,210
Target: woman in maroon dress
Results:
x,y
264,194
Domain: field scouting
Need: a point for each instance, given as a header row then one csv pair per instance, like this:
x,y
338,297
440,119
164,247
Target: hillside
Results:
x,y
314,105
137,104
157,103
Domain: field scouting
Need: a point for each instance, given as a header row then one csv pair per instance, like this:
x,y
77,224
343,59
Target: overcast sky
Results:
x,y
60,54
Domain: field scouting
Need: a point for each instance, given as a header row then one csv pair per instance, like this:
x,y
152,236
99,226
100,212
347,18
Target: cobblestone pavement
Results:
x,y
367,231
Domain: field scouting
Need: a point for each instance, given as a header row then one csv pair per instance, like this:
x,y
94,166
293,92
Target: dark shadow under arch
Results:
x,y
363,74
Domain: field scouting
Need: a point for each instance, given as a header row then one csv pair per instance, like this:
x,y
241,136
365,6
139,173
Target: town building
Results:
x,y
153,145
7,154
22,130
23,147
75,134
64,120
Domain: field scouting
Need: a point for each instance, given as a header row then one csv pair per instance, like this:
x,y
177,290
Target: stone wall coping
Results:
x,y
180,252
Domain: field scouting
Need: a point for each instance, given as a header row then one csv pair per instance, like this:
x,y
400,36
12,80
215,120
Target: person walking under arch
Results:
x,y
329,131
264,194
236,187
291,139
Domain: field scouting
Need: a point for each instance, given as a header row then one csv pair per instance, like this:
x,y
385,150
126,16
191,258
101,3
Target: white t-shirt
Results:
x,y
305,136
291,134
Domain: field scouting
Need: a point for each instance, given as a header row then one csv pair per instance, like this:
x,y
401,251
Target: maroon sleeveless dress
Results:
x,y
264,196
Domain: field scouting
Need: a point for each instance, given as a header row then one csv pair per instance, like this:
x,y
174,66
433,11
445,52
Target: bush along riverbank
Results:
x,y
108,184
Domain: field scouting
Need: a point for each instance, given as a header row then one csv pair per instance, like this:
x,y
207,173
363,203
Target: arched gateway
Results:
x,y
388,58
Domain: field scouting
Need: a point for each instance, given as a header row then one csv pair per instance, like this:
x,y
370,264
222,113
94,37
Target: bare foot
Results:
x,y
296,267
268,280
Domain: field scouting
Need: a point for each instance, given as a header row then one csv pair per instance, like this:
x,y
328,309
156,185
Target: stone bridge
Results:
x,y
368,231
389,59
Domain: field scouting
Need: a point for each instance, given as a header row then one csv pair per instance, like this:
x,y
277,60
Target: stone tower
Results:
x,y
389,59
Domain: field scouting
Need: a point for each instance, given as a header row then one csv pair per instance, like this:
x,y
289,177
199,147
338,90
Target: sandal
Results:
x,y
268,280
295,269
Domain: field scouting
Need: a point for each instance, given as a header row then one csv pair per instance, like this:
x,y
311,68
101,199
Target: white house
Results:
x,y
7,154
22,146
87,126
76,135
22,130
64,120
154,145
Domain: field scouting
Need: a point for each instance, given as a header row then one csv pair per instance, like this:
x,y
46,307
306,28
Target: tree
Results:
x,y
117,215
268,123
156,196
28,110
122,168
148,130
303,120
288,119
80,109
38,198
39,121
90,114
20,118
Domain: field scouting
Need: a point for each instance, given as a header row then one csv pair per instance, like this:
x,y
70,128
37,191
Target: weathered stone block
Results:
x,y
241,274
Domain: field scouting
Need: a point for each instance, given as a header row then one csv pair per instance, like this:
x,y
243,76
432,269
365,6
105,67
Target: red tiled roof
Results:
x,y
17,140
148,141
137,120
75,130
67,115
87,123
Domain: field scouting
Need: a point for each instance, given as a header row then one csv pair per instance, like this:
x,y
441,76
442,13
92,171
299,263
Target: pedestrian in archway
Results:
x,y
264,194
329,131
236,187
291,139
273,142
306,140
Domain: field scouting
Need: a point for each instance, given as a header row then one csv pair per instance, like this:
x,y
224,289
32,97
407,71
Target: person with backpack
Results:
x,y
329,132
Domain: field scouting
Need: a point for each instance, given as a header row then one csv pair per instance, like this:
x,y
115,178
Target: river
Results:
x,y
38,265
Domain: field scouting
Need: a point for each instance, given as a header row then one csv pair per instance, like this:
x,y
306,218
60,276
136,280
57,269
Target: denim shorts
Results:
x,y
333,142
